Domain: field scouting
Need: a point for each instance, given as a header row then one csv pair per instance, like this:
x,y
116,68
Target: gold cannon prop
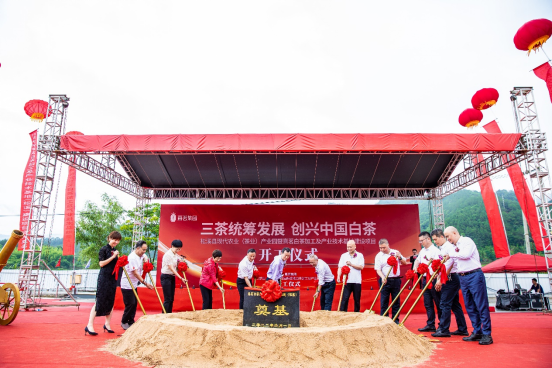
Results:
x,y
9,293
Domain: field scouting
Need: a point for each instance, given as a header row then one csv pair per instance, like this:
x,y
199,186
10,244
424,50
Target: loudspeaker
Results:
x,y
536,301
503,301
524,300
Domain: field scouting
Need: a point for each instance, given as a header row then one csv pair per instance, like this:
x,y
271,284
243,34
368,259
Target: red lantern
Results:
x,y
37,110
533,34
470,118
484,98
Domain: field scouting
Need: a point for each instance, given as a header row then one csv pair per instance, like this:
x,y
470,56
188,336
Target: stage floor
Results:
x,y
55,338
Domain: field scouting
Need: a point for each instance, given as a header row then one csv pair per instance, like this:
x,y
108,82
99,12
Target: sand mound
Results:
x,y
216,338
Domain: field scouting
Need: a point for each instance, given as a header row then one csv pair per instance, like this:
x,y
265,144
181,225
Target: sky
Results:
x,y
139,67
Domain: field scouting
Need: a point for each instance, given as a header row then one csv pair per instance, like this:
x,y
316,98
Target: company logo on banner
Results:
x,y
323,230
27,192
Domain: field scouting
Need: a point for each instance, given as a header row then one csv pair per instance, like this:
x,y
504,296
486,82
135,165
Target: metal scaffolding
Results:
x,y
47,147
530,148
527,123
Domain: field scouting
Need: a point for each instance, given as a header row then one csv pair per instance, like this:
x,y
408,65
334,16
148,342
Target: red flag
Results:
x,y
498,235
69,218
59,262
27,192
523,195
544,72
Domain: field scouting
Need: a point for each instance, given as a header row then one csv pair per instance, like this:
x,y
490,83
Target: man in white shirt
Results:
x,y
245,273
472,282
276,268
134,270
432,297
450,299
326,282
392,283
355,261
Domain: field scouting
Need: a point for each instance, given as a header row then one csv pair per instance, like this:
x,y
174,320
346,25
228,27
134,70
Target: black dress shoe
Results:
x,y
108,330
473,337
427,329
486,340
441,334
460,333
92,333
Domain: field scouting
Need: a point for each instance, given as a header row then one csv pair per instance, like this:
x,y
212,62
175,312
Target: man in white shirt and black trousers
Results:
x,y
450,299
432,297
134,269
245,273
472,282
355,261
392,284
326,282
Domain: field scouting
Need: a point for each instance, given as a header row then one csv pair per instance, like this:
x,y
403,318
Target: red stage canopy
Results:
x,y
290,161
291,142
519,262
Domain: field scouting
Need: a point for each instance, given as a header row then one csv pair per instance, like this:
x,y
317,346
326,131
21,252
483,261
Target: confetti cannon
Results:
x,y
9,293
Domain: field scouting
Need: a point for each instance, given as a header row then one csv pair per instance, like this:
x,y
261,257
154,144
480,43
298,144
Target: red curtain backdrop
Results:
x,y
320,229
523,195
544,72
27,192
500,242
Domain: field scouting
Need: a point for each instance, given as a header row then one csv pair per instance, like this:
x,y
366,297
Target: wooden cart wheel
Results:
x,y
10,306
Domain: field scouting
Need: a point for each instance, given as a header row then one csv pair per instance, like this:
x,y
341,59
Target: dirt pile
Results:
x,y
217,338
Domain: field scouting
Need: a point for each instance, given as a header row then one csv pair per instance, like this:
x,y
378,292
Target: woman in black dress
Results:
x,y
107,284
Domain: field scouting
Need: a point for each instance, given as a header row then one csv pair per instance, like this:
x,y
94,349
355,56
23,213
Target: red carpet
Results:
x,y
55,338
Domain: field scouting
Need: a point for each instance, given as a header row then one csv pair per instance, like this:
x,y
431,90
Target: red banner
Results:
x,y
523,195
500,243
544,72
27,192
320,229
69,217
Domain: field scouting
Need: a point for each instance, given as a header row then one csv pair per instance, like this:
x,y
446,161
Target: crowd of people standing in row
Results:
x,y
459,254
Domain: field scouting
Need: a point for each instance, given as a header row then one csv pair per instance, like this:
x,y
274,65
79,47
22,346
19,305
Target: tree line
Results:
x,y
93,225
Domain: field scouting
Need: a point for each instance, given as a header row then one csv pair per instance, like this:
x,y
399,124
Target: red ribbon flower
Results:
x,y
411,275
392,261
256,274
146,268
271,291
182,267
121,262
423,268
345,270
437,266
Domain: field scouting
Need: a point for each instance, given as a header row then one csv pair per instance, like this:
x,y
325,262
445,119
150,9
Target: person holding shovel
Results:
x,y
134,269
208,279
169,274
391,282
355,261
326,282
245,273
450,292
